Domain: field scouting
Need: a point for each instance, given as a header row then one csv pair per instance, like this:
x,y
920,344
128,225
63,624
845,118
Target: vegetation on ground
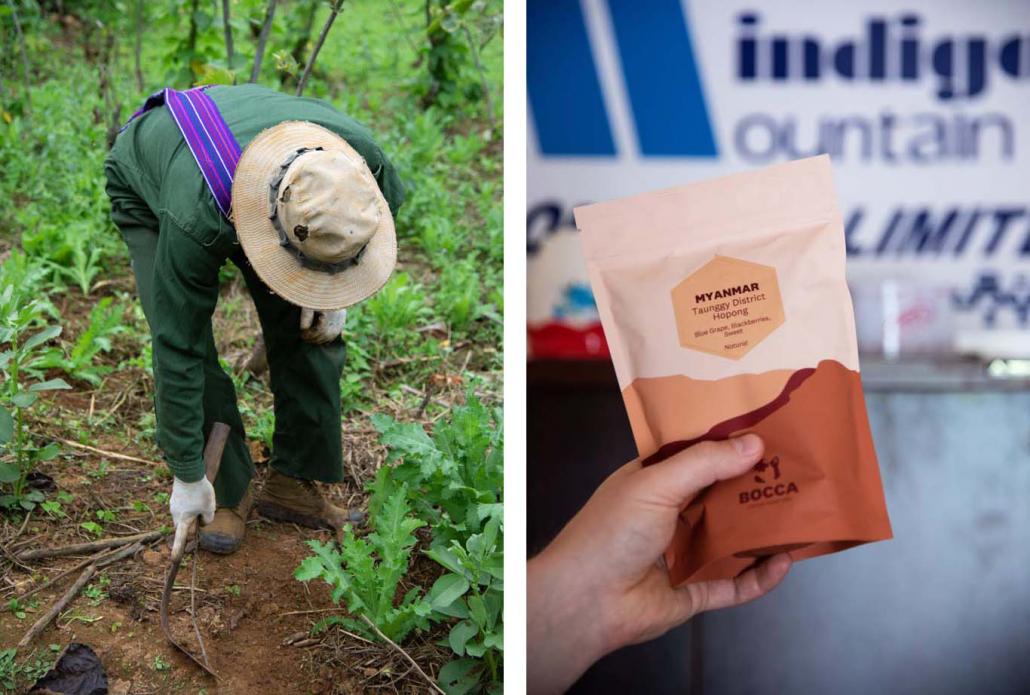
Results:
x,y
422,385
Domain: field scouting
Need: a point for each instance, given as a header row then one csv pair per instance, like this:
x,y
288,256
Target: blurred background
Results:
x,y
922,107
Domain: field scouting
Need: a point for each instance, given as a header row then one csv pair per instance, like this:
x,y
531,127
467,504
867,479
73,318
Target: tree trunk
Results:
x,y
24,58
302,41
482,78
318,45
262,40
139,45
191,41
438,37
228,34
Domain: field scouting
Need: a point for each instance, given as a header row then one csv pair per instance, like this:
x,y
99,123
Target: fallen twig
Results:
x,y
112,454
193,605
398,361
309,642
316,610
404,653
80,548
101,560
56,609
295,637
212,460
21,529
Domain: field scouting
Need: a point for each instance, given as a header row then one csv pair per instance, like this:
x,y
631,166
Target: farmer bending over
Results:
x,y
305,211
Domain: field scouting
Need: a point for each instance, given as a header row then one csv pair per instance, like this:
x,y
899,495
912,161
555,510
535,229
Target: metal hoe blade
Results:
x,y
212,460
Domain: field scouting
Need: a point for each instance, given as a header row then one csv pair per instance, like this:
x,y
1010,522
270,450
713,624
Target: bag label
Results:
x,y
727,307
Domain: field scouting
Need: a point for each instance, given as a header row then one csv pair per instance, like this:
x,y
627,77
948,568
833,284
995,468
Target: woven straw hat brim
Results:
x,y
275,265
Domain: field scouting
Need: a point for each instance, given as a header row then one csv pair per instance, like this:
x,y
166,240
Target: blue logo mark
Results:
x,y
658,68
577,300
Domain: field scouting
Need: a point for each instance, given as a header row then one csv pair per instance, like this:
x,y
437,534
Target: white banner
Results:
x,y
923,106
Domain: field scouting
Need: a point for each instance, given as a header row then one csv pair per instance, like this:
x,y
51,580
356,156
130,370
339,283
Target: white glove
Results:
x,y
320,327
192,499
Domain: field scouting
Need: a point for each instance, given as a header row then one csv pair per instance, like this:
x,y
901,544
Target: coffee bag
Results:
x,y
726,311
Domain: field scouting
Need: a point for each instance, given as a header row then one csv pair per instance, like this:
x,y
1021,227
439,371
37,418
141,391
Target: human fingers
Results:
x,y
307,316
683,475
754,583
182,529
207,513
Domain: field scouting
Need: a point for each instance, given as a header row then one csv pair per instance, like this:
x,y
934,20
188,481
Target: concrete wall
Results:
x,y
942,608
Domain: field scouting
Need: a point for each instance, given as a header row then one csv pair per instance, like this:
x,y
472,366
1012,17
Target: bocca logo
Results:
x,y
772,489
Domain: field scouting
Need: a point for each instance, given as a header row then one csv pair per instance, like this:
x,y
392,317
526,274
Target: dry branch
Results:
x,y
259,54
257,362
93,546
318,45
405,654
102,560
112,454
56,609
139,45
482,78
228,33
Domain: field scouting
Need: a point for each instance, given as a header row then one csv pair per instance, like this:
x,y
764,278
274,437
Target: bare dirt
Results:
x,y
254,616
256,619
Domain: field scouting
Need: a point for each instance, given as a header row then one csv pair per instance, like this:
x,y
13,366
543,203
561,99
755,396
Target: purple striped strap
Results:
x,y
207,135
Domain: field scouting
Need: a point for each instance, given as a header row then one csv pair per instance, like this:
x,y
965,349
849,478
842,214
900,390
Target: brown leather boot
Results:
x,y
225,533
300,502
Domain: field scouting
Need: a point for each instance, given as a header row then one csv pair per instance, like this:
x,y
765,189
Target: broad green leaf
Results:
x,y
51,385
459,676
38,339
458,609
460,635
494,602
9,473
448,559
494,510
446,590
23,399
494,566
6,426
477,608
48,453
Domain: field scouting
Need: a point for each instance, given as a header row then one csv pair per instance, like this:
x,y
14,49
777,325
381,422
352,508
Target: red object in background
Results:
x,y
555,340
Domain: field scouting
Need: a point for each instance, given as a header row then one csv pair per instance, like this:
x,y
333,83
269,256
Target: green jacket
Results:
x,y
154,182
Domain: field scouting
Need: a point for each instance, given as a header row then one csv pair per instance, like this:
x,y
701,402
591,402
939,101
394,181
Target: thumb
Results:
x,y
306,317
182,529
683,475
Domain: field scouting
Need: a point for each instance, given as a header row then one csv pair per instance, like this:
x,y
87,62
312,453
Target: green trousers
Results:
x,y
305,381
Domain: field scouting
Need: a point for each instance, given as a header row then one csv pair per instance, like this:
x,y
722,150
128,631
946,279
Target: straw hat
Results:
x,y
311,218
